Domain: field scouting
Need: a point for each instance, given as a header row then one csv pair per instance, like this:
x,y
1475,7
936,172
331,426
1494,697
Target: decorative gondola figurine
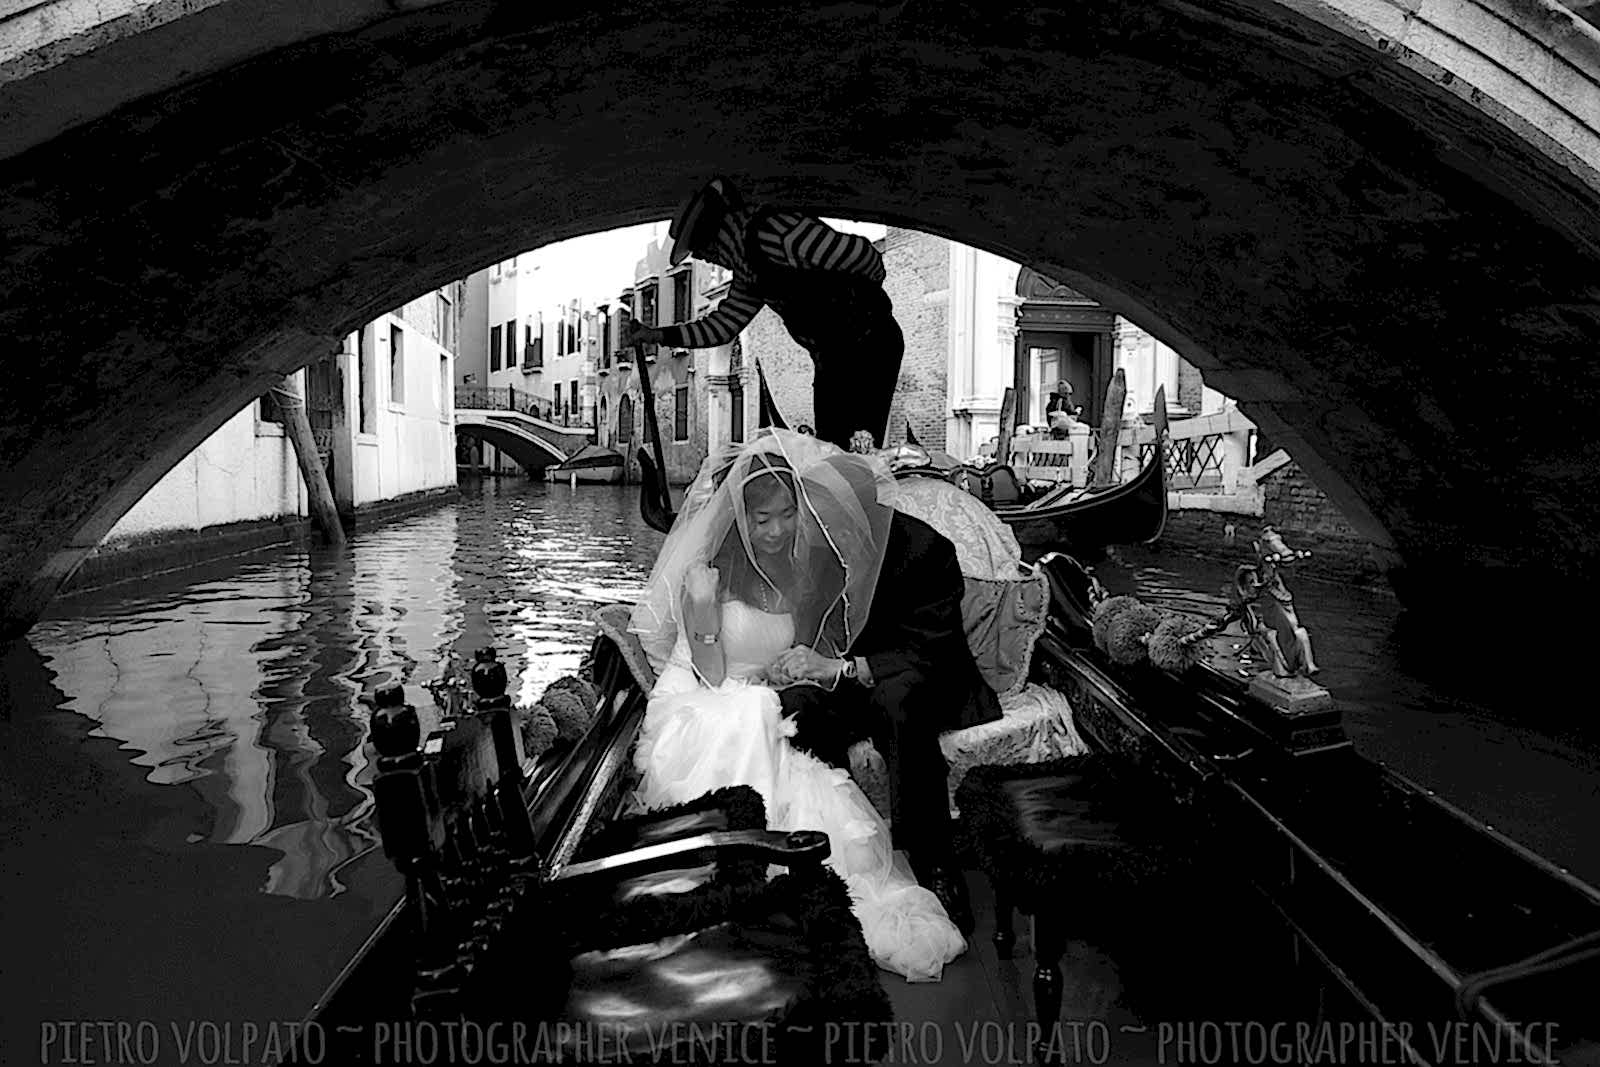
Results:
x,y
1266,612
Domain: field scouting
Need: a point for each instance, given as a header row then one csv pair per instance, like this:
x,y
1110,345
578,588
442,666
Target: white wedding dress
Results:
x,y
696,739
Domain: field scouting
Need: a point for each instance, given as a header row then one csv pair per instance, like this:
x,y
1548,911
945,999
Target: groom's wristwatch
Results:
x,y
848,672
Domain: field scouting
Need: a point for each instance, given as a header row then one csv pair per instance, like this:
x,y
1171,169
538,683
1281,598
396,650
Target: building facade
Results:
x,y
539,345
381,411
699,394
472,363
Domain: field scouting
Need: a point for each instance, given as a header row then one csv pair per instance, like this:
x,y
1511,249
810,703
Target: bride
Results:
x,y
774,549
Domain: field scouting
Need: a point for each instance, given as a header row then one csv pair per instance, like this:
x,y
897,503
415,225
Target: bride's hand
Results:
x,y
701,584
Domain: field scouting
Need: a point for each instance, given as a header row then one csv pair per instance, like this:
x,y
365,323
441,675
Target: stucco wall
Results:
x,y
245,471
412,446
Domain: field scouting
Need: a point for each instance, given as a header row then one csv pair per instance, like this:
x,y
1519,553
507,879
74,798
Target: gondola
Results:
x,y
1082,523
1361,899
591,464
1432,922
1401,914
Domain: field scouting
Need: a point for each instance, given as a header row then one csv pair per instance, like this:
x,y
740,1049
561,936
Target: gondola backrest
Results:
x,y
996,486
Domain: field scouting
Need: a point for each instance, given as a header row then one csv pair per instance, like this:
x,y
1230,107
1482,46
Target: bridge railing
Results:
x,y
510,398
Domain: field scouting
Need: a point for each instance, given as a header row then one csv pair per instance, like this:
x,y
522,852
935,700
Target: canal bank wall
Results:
x,y
163,551
1290,501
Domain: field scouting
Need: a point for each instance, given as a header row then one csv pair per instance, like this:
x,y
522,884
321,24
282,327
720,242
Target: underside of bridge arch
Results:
x,y
529,453
1398,288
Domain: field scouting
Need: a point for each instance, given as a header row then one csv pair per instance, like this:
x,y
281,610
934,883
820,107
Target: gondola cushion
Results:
x,y
1035,725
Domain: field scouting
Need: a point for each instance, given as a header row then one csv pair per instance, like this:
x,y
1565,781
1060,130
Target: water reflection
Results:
x,y
246,684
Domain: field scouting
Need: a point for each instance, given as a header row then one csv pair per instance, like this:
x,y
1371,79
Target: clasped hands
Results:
x,y
804,664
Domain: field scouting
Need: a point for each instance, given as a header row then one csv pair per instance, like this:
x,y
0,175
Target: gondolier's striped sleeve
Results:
x,y
721,325
800,241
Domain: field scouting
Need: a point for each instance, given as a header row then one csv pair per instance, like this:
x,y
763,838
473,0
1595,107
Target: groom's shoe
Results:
x,y
950,887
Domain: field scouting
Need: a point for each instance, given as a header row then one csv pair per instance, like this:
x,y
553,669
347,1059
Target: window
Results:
x,y
680,413
625,420
444,384
603,321
366,383
511,343
573,389
267,409
647,314
736,410
680,297
494,348
600,430
1049,363
397,366
647,303
447,323
527,345
572,337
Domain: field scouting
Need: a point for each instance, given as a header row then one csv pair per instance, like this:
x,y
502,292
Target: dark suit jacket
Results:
x,y
915,625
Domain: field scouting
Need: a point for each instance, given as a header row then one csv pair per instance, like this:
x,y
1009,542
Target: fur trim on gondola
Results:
x,y
807,929
743,806
1141,854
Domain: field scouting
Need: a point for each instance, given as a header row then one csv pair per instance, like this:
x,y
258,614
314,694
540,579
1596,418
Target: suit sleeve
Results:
x,y
931,619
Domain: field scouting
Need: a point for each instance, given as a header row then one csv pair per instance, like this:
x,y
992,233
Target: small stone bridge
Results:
x,y
494,415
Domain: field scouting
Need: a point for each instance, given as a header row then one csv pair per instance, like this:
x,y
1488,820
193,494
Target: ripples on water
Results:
x,y
245,681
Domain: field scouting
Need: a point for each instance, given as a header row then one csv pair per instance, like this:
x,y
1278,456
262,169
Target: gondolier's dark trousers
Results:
x,y
895,715
855,380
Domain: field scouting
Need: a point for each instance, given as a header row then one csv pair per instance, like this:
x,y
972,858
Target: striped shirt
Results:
x,y
788,239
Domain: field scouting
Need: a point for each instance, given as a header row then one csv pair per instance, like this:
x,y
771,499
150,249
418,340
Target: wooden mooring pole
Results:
x,y
297,424
1105,457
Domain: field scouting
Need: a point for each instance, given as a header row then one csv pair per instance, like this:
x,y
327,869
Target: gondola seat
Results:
x,y
1067,833
662,939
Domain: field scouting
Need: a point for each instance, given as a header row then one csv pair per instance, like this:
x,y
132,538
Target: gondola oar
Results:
x,y
768,415
655,497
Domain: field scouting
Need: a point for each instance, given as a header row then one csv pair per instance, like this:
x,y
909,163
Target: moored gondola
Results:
x,y
1085,522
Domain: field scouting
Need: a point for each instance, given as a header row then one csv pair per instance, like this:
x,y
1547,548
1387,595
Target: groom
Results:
x,y
908,677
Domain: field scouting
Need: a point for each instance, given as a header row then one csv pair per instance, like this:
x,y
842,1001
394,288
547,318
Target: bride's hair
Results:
x,y
771,480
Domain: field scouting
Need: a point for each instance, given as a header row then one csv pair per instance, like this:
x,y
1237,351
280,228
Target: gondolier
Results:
x,y
826,286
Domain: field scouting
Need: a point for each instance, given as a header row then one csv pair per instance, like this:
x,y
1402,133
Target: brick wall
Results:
x,y
786,365
1191,387
918,284
1304,516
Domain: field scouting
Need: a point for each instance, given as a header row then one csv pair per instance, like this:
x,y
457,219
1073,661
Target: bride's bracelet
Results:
x,y
707,639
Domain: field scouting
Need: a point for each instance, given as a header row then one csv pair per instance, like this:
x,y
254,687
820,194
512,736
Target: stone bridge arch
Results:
x,y
1377,231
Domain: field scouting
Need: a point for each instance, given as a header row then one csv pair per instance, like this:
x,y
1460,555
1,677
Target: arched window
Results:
x,y
625,420
604,427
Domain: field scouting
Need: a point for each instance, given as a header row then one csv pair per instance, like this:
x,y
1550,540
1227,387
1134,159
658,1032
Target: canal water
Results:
x,y
185,791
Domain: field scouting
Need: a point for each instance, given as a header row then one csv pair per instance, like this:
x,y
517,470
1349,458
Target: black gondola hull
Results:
x,y
1401,897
